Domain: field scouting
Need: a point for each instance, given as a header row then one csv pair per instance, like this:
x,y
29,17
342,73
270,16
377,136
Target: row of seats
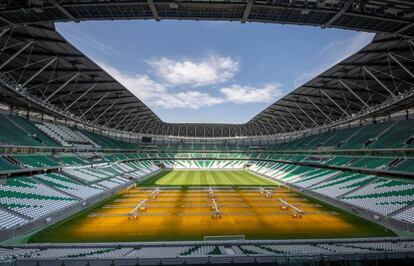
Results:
x,y
380,195
23,199
13,132
384,135
174,251
204,164
66,136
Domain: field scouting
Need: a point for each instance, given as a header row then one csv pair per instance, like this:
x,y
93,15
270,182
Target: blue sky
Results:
x,y
210,72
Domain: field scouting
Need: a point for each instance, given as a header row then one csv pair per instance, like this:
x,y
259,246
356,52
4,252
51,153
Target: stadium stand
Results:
x,y
196,253
19,131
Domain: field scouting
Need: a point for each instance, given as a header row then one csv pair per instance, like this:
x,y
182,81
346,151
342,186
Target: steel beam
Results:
x,y
16,54
93,105
294,116
332,100
107,108
353,93
80,97
64,11
39,71
308,115
153,10
401,65
341,12
62,86
112,118
246,13
378,81
294,129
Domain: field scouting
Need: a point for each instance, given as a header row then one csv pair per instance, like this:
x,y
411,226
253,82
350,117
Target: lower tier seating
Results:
x,y
379,195
31,199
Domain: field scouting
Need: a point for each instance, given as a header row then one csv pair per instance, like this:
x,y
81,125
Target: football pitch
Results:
x,y
190,205
207,178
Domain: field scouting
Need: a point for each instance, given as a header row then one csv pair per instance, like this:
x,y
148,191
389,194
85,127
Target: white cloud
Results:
x,y
208,71
141,86
333,53
246,94
158,94
187,99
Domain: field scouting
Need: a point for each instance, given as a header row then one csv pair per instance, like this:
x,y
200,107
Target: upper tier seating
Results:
x,y
6,166
341,136
72,160
36,161
108,143
31,128
13,132
372,162
407,165
66,136
396,136
363,136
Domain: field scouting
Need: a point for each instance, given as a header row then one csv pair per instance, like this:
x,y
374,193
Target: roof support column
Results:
x,y
153,10
16,54
319,109
39,71
246,13
139,123
353,93
64,11
307,115
378,81
80,97
122,120
332,100
117,113
401,64
62,86
130,122
300,122
278,123
4,31
270,124
294,129
93,105
346,6
101,114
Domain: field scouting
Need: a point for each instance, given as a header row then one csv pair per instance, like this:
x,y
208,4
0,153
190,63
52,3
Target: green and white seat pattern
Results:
x,y
32,199
113,182
68,185
9,220
204,164
406,215
342,184
382,196
81,252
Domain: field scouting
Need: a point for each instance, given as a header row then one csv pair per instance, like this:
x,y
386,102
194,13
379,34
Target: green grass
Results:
x,y
81,228
207,178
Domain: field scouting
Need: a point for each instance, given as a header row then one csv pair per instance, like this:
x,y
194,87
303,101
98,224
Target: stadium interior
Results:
x,y
89,175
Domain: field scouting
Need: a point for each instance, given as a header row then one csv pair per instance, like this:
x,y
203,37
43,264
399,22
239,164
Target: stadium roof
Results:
x,y
41,71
